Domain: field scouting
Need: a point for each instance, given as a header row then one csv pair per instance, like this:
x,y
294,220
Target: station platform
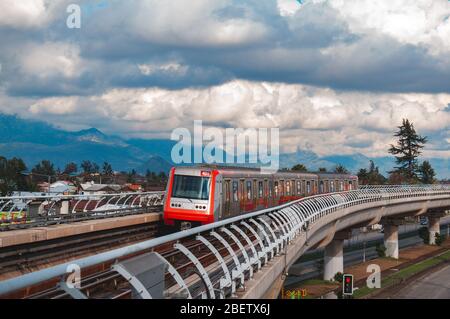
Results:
x,y
26,236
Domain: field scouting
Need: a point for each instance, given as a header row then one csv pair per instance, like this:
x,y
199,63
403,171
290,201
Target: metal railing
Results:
x,y
250,241
28,211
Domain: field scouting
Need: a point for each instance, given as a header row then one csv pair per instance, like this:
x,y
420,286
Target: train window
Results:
x,y
321,187
308,187
281,188
260,189
331,186
249,189
342,186
288,188
350,185
299,187
277,190
191,187
235,191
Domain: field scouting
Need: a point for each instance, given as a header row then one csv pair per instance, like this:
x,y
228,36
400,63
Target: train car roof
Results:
x,y
334,175
244,171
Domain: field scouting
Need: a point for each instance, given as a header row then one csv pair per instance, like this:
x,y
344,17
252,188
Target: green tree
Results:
x,y
426,173
371,176
131,176
340,169
322,169
299,168
12,176
363,176
87,167
381,250
407,150
70,168
107,169
44,170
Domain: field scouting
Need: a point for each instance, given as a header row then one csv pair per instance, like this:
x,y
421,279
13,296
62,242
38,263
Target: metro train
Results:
x,y
201,195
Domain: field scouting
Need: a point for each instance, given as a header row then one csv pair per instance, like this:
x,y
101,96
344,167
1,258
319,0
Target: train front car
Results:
x,y
189,200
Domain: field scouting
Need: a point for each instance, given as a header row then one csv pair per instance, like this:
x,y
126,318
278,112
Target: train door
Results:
x,y
266,193
270,191
276,192
248,195
321,187
227,199
293,190
234,207
260,194
218,195
255,194
241,195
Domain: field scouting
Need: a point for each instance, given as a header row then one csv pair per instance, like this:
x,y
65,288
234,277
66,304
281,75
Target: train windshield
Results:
x,y
191,187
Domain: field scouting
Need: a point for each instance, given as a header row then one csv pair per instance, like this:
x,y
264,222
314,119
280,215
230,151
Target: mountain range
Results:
x,y
34,141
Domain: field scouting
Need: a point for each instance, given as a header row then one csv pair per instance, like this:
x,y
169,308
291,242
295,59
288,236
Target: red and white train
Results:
x,y
204,194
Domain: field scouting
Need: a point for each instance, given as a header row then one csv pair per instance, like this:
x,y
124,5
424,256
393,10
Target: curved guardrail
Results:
x,y
38,210
247,242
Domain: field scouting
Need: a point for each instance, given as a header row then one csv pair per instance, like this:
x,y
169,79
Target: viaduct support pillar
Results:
x,y
334,256
390,226
434,225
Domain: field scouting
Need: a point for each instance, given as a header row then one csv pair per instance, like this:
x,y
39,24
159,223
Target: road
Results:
x,y
433,286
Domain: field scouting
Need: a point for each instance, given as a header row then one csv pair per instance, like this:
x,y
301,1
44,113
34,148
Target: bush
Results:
x,y
439,239
381,250
338,277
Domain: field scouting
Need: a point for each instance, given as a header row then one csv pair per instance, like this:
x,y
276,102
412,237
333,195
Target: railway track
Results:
x,y
30,257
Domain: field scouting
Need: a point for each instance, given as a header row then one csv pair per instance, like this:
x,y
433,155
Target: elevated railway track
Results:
x,y
24,212
239,257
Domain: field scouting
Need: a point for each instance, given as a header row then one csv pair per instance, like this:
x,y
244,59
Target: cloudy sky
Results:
x,y
336,76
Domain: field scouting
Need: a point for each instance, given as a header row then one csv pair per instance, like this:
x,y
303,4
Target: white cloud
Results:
x,y
288,7
323,120
26,13
417,22
49,59
55,106
193,23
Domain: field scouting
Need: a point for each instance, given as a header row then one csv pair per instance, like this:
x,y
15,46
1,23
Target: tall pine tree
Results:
x,y
407,150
